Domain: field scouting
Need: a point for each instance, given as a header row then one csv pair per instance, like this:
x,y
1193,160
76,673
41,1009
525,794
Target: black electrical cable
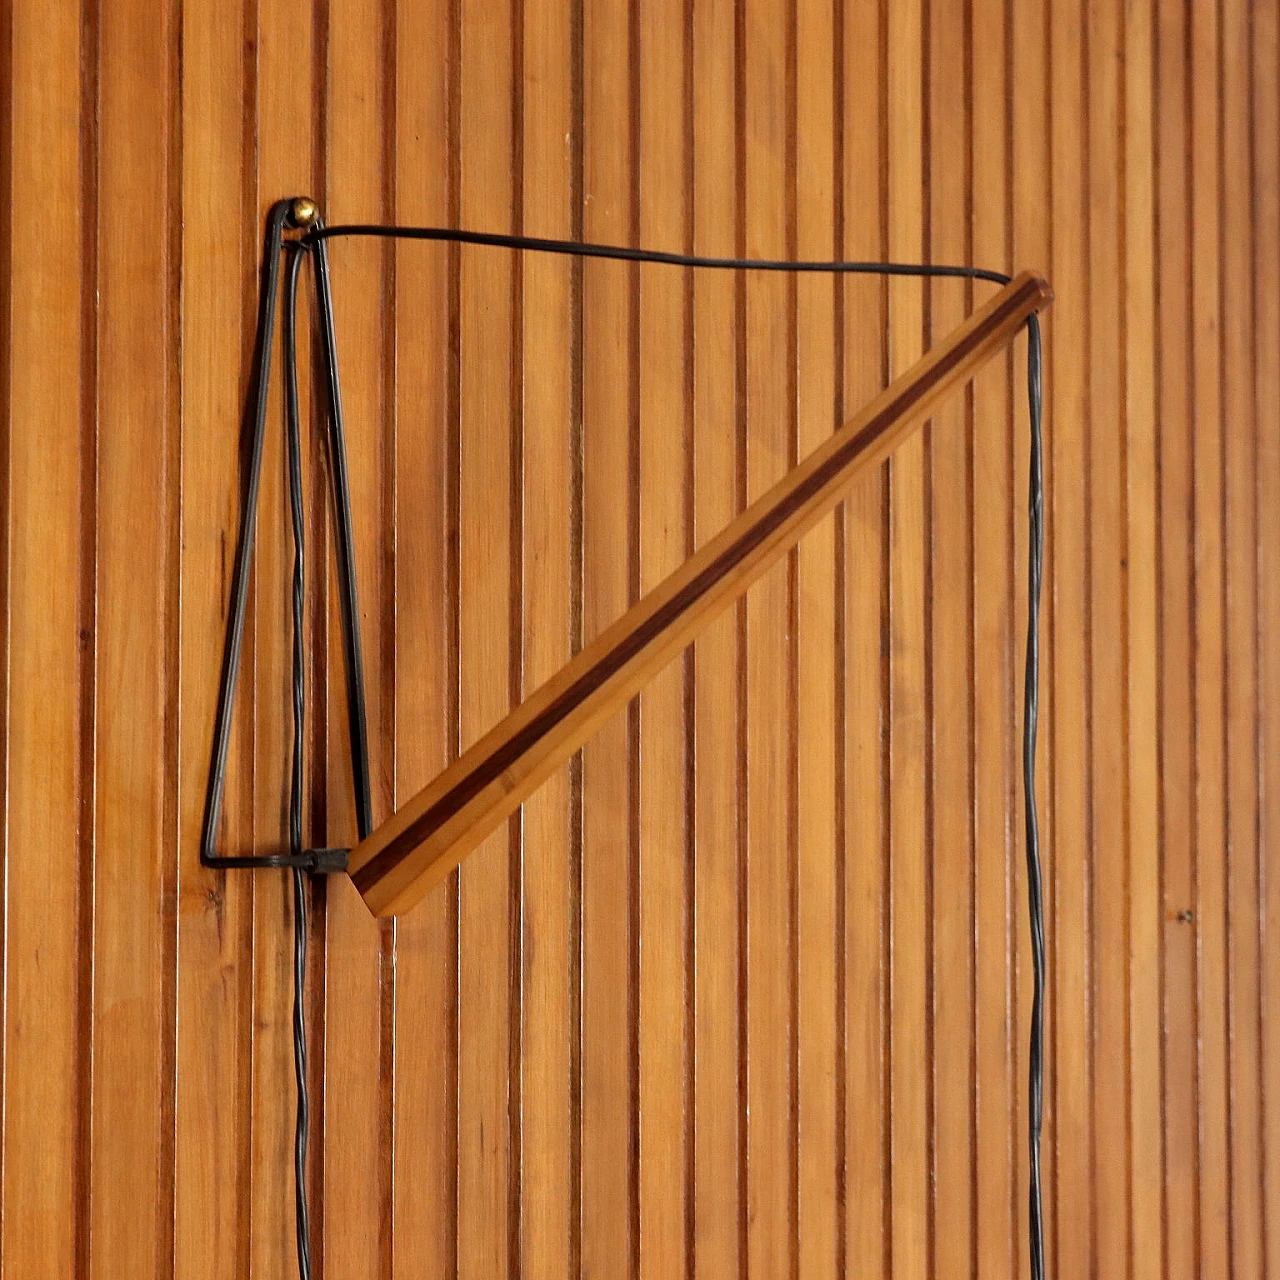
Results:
x,y
624,253
293,433
1035,556
1030,719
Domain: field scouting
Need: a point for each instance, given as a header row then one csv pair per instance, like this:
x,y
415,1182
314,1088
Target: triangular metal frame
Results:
x,y
298,213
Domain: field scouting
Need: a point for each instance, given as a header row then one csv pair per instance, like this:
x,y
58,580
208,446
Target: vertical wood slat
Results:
x,y
487,558
425,1208
718,1133
910,759
44,1049
662,447
1174,365
1142,556
1068,897
867,975
1240,676
766,229
819,870
1266,211
357,1161
548,884
1207,200
995,793
1107,657
1158,768
135,767
950,661
220,253
607,1175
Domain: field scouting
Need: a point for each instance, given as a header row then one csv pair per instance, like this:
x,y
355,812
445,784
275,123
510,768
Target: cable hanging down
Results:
x,y
303,214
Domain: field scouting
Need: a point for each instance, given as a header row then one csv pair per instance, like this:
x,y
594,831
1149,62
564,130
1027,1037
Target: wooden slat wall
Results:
x,y
744,990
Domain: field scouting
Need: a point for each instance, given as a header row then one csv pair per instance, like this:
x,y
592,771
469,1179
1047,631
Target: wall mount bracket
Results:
x,y
296,214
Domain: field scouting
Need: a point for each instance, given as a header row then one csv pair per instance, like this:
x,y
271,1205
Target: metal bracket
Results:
x,y
301,214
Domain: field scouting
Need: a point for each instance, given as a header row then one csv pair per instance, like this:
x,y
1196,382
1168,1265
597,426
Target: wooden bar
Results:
x,y
418,847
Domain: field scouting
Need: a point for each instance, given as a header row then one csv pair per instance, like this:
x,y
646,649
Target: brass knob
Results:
x,y
303,212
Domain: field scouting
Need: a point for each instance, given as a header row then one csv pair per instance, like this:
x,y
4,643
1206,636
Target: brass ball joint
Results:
x,y
303,212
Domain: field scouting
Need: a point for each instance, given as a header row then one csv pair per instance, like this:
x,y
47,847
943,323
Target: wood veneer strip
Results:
x,y
419,845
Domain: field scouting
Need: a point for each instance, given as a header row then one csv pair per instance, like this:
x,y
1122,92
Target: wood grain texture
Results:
x,y
817,650
994,778
674,1020
357,1169
1142,556
134,751
608,1115
1072,940
911,1148
718,1122
1240,606
952,446
213,1124
489,558
1107,658
767,336
664,429
1265,109
549,295
1179,1013
861,76
425,1194
50,514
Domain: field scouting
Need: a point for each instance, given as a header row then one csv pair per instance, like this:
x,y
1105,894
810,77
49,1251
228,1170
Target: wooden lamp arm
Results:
x,y
417,847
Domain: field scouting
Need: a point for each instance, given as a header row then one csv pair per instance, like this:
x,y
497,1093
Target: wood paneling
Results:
x,y
744,987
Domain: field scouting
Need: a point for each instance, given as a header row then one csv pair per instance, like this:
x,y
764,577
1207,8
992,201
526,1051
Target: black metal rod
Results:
x,y
258,382
347,598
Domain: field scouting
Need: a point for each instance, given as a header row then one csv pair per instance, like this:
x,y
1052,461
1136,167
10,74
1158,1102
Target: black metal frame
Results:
x,y
282,218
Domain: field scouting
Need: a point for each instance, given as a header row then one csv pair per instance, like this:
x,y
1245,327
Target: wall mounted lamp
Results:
x,y
394,864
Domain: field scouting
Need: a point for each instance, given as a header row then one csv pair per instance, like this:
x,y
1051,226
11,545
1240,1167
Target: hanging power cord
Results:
x,y
314,233
1030,719
293,434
